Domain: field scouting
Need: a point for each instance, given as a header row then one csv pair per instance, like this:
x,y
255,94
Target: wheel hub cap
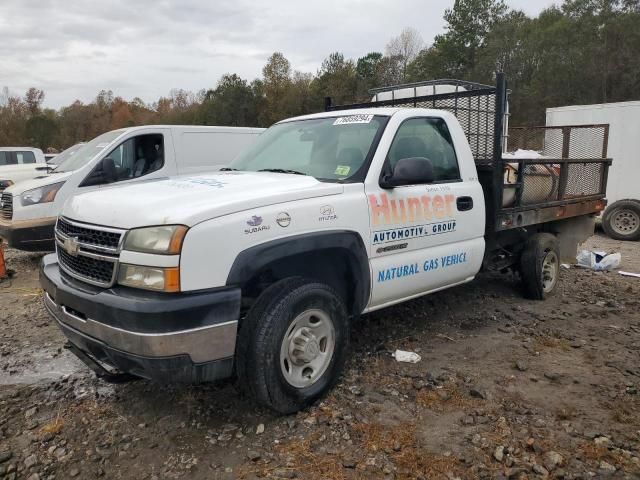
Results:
x,y
625,222
549,271
304,346
307,348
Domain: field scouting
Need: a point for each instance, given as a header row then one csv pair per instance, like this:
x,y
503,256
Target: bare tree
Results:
x,y
34,98
405,47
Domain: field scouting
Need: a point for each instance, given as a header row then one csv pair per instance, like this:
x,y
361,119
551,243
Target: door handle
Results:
x,y
464,203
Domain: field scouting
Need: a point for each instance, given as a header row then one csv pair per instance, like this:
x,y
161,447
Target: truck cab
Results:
x,y
18,164
259,269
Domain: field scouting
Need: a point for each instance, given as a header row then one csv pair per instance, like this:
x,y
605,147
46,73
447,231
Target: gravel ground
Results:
x,y
506,388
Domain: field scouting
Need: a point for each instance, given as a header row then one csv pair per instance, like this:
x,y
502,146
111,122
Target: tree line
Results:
x,y
581,52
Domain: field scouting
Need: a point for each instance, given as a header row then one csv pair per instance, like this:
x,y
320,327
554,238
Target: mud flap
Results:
x,y
100,371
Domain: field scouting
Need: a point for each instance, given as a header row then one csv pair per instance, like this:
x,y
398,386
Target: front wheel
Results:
x,y
540,266
292,344
621,220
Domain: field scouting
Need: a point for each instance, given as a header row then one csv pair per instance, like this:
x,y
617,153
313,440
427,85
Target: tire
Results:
x,y
280,364
540,266
621,220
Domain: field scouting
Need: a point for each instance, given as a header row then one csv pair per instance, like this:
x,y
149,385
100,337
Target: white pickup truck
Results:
x,y
20,163
259,269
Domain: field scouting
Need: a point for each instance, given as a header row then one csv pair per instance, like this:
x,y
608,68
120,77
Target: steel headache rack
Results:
x,y
529,175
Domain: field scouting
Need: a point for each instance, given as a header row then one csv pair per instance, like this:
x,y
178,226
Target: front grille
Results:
x,y
88,253
7,206
89,236
86,268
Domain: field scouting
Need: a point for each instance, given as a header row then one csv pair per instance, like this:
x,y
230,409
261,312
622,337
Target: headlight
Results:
x,y
150,278
5,184
41,195
166,239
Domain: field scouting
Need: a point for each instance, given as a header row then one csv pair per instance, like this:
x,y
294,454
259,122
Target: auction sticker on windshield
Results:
x,y
360,118
342,170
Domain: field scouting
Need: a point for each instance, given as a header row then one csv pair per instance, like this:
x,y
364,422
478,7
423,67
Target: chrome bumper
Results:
x,y
202,345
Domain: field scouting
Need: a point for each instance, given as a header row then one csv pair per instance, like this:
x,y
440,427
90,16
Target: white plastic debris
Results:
x,y
406,357
566,266
598,261
629,274
520,153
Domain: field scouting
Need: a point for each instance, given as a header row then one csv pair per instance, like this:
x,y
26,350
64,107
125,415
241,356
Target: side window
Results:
x,y
133,158
5,159
25,157
426,138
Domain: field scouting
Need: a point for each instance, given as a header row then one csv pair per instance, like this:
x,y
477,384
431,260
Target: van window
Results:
x,y
5,158
133,158
207,149
87,152
25,157
427,138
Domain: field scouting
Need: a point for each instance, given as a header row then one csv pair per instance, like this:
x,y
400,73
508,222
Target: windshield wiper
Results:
x,y
281,170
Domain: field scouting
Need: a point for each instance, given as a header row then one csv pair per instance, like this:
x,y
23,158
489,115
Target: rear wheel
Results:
x,y
540,266
292,344
621,220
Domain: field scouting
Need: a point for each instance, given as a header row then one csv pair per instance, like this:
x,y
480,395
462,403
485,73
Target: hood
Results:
x,y
191,200
41,180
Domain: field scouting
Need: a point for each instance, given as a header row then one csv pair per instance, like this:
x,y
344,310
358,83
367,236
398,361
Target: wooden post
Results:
x,y
3,267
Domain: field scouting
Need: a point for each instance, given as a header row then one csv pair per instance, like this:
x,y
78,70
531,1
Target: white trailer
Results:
x,y
621,219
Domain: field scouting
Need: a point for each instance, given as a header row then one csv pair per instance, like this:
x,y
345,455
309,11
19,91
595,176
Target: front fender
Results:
x,y
253,260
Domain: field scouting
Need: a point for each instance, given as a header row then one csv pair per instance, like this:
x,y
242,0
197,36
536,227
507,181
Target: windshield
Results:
x,y
62,156
331,149
87,151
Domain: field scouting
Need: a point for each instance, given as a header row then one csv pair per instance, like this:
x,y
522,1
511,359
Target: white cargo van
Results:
x,y
28,210
19,163
621,219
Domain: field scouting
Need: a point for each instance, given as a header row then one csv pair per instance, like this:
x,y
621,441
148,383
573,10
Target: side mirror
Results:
x,y
104,172
409,171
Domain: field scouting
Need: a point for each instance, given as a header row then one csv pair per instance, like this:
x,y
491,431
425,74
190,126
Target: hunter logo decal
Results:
x,y
396,234
432,214
255,222
410,209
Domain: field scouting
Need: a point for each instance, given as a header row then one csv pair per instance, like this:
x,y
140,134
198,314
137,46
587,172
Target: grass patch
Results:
x,y
546,342
449,397
302,459
54,426
408,458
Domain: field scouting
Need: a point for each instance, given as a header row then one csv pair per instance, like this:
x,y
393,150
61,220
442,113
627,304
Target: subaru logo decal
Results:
x,y
255,221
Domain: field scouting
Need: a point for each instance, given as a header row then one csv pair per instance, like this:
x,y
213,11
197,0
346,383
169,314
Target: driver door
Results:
x,y
148,154
424,236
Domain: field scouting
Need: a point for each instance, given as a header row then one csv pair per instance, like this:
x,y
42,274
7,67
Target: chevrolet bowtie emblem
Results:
x,y
71,246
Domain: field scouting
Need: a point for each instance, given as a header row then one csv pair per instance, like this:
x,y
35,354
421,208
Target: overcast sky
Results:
x,y
143,48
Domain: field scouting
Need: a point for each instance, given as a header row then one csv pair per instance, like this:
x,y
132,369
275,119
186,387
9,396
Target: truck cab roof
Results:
x,y
382,111
20,149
